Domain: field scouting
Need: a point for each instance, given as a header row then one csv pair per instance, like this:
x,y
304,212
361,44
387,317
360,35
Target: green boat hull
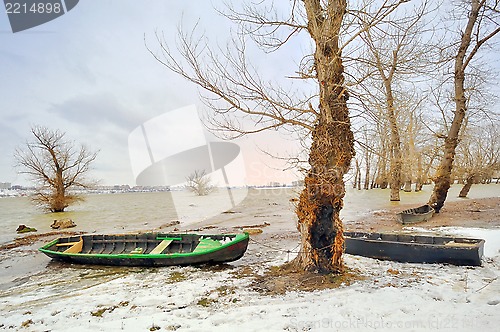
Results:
x,y
148,249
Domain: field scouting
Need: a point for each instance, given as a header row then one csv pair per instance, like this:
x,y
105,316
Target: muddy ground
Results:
x,y
481,213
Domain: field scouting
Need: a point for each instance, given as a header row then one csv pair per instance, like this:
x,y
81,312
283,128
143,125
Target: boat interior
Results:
x,y
145,243
408,238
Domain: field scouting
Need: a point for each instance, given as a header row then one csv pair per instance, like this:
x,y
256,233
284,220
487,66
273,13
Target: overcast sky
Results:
x,y
89,74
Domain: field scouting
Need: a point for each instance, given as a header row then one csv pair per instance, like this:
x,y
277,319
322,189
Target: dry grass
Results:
x,y
282,279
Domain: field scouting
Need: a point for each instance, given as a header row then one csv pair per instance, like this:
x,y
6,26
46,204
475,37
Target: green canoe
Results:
x,y
148,249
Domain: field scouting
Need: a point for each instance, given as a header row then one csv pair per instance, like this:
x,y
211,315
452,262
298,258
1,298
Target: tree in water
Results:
x,y
56,166
199,183
480,26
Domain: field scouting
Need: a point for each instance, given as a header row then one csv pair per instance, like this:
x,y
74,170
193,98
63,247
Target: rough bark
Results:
x,y
332,147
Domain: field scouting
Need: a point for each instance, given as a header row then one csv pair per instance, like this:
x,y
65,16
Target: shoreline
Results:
x,y
472,213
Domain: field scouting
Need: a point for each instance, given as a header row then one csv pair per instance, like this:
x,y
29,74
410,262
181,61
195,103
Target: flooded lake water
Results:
x,y
126,212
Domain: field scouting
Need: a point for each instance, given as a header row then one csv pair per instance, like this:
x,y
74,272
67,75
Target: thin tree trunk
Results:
x,y
356,174
359,175
366,184
468,184
373,180
396,163
383,173
419,181
395,140
410,154
425,174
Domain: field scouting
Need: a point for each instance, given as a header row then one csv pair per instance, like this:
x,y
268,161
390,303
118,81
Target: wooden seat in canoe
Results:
x,y
75,247
66,244
161,246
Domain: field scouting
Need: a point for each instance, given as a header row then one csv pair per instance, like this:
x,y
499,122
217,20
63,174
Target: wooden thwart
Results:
x,y
75,248
160,247
66,244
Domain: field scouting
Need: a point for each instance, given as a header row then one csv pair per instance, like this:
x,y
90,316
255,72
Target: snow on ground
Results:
x,y
390,296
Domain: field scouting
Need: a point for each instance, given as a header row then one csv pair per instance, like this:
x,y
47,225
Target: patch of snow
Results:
x,y
391,296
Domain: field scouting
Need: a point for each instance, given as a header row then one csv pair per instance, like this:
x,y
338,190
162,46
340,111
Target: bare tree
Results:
x,y
481,25
394,52
199,183
56,166
243,102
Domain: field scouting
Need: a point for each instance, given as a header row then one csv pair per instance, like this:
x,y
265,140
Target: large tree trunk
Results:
x,y
58,203
442,179
332,147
